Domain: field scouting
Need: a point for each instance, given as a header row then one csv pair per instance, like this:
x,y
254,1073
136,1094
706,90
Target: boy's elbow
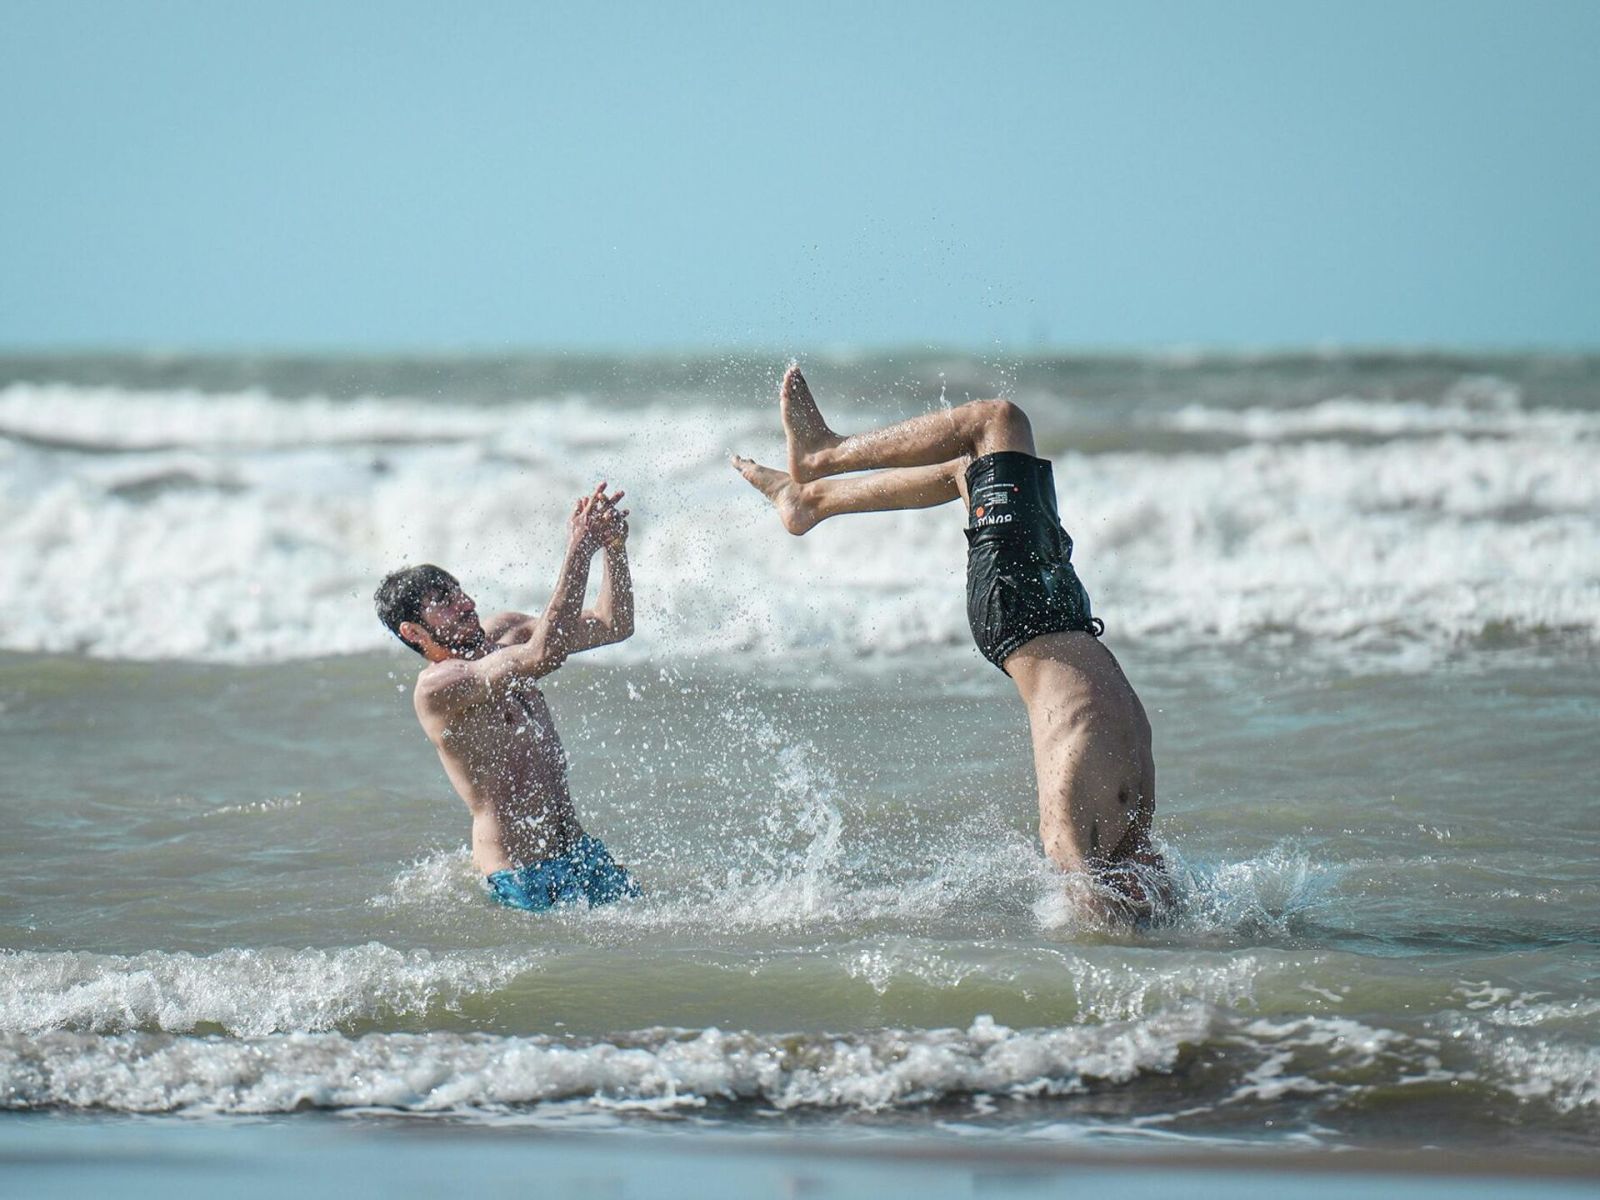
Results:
x,y
616,626
546,653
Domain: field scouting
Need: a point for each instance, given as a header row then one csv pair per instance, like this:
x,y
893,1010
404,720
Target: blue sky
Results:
x,y
638,176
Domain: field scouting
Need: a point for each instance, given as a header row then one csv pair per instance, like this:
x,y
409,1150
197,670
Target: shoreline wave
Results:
x,y
1331,1066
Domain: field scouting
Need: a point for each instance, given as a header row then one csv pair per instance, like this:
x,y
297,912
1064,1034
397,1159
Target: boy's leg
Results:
x,y
802,505
970,431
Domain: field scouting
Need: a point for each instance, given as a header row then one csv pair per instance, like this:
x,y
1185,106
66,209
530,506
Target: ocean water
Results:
x,y
1359,594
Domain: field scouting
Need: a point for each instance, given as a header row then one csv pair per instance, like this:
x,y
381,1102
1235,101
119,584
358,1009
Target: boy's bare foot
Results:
x,y
807,434
787,496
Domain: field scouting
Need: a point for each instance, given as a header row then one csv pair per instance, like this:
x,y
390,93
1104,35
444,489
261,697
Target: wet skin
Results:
x,y
479,702
1091,736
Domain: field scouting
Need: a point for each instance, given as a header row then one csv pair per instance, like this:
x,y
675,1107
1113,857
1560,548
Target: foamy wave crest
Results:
x,y
246,528
111,419
442,1072
1479,406
1329,1063
1563,1073
244,992
1364,547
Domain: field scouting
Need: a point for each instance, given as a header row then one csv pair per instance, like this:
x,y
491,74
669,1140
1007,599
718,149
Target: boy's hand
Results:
x,y
613,524
596,521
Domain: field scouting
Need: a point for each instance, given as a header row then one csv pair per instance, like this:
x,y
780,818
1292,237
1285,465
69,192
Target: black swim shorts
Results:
x,y
1020,581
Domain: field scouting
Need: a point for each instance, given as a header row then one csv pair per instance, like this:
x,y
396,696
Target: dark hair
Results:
x,y
404,593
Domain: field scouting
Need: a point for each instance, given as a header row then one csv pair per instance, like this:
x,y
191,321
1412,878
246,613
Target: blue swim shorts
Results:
x,y
586,872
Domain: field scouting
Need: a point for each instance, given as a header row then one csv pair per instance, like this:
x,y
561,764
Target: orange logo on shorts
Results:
x,y
978,512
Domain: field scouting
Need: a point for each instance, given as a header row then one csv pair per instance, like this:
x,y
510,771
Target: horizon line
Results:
x,y
1178,350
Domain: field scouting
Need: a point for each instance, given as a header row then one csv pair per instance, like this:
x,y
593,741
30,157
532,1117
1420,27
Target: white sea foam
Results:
x,y
1565,1075
445,1072
245,992
1331,1061
244,527
1482,406
1563,1072
109,418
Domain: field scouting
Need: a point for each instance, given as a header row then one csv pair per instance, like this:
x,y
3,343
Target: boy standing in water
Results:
x,y
479,703
1027,609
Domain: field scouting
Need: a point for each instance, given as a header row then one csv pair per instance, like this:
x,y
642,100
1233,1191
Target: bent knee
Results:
x,y
1002,425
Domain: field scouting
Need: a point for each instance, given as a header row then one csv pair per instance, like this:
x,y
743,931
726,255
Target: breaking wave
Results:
x,y
244,527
